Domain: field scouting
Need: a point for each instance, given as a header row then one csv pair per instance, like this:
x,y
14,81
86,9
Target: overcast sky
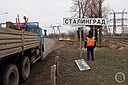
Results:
x,y
46,11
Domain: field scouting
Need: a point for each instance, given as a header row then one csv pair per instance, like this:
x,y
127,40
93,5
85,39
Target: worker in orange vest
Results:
x,y
90,43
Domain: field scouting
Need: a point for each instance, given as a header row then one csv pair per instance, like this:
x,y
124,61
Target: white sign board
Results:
x,y
84,21
82,65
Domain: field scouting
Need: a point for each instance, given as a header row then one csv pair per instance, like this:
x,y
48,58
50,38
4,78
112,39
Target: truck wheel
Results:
x,y
11,75
25,68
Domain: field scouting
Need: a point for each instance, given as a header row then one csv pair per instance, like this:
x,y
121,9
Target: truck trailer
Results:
x,y
19,49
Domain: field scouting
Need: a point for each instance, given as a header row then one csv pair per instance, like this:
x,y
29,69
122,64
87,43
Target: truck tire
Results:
x,y
25,68
10,75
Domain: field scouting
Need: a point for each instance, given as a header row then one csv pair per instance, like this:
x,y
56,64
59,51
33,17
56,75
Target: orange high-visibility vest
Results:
x,y
90,41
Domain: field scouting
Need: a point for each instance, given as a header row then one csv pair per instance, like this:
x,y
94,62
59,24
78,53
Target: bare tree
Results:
x,y
80,7
88,8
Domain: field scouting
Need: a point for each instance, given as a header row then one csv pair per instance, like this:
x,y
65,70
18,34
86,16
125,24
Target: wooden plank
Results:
x,y
29,40
4,34
31,46
10,51
53,75
12,41
57,66
8,41
9,36
27,43
9,46
16,32
30,33
30,37
10,31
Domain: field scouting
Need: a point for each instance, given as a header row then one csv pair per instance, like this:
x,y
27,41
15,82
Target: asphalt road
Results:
x,y
49,44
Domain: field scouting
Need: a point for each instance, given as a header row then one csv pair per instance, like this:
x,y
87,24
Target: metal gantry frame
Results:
x,y
54,27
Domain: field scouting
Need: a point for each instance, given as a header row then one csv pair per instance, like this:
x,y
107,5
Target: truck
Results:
x,y
19,49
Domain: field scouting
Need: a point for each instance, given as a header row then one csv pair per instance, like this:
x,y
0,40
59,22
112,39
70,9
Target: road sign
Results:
x,y
84,21
82,65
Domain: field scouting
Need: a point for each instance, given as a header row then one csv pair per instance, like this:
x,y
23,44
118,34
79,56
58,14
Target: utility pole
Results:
x,y
114,22
80,28
79,9
100,27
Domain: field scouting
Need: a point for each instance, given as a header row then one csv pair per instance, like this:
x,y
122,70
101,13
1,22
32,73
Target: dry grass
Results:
x,y
107,63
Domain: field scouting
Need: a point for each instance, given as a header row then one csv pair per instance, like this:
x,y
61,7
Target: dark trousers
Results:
x,y
90,53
